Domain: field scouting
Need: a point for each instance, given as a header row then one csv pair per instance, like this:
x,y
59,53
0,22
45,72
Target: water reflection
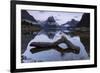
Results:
x,y
54,45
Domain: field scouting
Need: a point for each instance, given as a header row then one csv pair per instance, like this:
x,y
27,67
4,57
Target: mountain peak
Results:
x,y
71,23
73,20
51,19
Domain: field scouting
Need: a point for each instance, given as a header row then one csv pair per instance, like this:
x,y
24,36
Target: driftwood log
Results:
x,y
42,46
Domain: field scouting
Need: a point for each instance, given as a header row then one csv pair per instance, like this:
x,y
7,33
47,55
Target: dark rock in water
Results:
x,y
41,46
85,21
27,16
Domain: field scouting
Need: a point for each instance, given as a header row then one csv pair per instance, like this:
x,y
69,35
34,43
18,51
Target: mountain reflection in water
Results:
x,y
42,54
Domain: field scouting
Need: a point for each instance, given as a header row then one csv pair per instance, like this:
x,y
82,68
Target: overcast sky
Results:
x,y
60,17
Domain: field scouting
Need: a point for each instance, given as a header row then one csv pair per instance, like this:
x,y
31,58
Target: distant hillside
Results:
x,y
28,23
71,23
85,21
29,28
25,15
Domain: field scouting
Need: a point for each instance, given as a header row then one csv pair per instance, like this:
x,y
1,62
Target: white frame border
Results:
x,y
51,64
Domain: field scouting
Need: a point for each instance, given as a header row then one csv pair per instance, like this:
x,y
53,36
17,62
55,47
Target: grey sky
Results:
x,y
60,17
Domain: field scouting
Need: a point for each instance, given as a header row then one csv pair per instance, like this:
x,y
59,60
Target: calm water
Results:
x,y
51,54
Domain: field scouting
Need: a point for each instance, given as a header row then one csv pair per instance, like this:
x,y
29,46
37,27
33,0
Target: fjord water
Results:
x,y
52,54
